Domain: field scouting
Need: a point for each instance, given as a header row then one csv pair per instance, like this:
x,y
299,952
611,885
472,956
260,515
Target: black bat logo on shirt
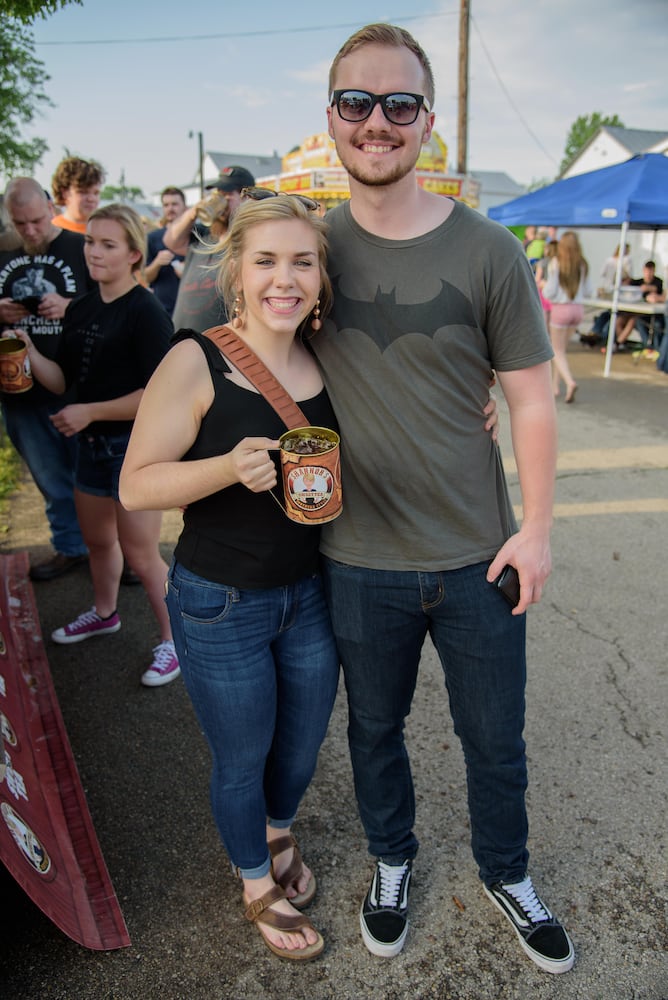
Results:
x,y
385,316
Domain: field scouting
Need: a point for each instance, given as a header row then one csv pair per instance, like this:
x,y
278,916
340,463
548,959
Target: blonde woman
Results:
x,y
245,596
566,288
113,338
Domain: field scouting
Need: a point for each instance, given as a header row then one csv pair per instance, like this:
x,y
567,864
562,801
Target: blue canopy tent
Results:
x,y
630,195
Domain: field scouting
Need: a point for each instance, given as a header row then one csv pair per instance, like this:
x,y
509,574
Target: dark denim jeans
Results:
x,y
381,619
99,463
51,457
262,670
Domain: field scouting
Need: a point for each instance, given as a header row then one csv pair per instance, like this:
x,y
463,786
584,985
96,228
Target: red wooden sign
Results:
x,y
47,839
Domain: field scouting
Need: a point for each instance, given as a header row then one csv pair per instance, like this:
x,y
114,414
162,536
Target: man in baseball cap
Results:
x,y
232,179
198,305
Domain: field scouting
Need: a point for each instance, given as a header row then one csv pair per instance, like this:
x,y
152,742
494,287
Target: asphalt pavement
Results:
x,y
596,736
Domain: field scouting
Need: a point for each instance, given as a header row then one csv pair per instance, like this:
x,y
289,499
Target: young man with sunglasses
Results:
x,y
430,297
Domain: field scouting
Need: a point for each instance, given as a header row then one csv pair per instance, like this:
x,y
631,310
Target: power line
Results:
x,y
259,33
509,98
263,32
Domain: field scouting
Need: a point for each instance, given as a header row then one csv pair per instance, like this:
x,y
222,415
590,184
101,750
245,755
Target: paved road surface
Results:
x,y
596,735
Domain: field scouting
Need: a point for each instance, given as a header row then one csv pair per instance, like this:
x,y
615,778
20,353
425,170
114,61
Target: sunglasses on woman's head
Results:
x,y
259,194
399,109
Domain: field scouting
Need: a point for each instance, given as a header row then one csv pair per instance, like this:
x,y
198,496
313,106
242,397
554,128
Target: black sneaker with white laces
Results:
x,y
384,914
541,935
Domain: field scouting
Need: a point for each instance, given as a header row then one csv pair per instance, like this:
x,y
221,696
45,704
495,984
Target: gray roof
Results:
x,y
636,140
496,182
259,166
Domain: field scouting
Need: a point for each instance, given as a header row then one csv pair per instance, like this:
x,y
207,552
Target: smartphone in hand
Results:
x,y
508,583
30,302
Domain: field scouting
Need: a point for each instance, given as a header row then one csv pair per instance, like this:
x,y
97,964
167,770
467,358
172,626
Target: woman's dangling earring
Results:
x,y
237,322
316,322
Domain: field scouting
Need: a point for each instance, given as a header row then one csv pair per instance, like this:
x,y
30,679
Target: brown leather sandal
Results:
x,y
258,913
292,872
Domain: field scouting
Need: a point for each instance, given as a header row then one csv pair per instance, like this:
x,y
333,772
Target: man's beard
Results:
x,y
373,178
35,248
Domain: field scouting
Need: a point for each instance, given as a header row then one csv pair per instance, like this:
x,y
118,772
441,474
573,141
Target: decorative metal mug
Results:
x,y
15,373
311,466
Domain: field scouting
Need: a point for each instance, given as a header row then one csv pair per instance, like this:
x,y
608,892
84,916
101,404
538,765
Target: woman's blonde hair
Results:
x,y
131,224
572,265
254,213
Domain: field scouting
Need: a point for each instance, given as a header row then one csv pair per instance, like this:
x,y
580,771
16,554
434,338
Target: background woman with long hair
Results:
x,y
567,287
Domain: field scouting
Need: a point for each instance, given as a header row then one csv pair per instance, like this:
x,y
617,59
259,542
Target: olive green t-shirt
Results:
x,y
407,353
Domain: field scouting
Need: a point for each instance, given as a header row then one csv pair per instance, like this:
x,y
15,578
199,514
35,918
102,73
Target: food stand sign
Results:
x,y
314,169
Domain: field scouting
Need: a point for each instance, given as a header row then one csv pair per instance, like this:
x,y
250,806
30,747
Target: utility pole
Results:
x,y
200,140
200,169
463,90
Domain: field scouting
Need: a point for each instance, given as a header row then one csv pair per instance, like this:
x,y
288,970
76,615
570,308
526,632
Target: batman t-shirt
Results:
x,y
407,353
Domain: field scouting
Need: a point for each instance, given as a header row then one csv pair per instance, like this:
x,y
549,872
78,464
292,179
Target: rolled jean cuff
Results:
x,y
253,873
280,824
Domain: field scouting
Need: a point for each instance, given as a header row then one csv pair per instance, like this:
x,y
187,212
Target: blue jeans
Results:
x,y
50,457
261,669
381,619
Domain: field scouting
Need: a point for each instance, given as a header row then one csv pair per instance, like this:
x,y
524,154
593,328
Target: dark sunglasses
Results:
x,y
357,105
259,194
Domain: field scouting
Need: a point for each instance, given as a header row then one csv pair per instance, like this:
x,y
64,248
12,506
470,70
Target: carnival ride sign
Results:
x,y
47,839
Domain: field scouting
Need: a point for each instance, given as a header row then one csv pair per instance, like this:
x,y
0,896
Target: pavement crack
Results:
x,y
623,703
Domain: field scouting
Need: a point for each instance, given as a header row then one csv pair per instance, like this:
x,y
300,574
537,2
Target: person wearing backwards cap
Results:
x,y
193,234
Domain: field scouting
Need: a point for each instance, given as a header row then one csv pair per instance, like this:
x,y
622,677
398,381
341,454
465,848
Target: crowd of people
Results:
x,y
564,284
128,418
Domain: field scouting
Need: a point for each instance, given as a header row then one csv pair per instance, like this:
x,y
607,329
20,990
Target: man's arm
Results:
x,y
177,234
533,424
162,259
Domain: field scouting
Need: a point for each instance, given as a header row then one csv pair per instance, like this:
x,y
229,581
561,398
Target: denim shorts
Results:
x,y
99,461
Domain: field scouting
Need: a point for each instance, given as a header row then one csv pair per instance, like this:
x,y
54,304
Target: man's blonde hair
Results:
x,y
393,37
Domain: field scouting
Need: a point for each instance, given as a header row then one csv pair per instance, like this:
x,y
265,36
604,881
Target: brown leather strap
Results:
x,y
247,362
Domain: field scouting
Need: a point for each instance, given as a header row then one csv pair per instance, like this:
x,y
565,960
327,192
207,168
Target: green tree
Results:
x,y
22,81
582,129
28,10
113,192
22,78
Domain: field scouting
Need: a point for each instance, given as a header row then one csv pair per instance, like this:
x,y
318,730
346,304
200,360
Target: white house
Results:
x,y
609,145
612,144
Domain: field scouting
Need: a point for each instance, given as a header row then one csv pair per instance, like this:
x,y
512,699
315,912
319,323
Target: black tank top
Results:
x,y
235,536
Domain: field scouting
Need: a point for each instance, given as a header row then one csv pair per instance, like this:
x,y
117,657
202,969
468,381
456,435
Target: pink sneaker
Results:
x,y
165,666
87,624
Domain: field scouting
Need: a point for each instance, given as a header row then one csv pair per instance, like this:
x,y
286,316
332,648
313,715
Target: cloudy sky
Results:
x,y
130,79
